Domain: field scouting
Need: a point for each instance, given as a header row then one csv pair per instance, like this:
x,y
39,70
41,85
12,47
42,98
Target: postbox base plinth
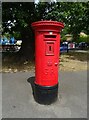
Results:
x,y
45,94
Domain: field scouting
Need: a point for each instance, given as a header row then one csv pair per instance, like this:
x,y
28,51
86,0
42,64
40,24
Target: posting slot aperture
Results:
x,y
50,36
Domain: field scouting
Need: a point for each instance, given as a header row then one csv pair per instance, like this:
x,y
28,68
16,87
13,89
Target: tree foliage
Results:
x,y
75,15
20,15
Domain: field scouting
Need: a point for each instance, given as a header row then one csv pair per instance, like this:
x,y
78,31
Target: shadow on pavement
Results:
x,y
31,81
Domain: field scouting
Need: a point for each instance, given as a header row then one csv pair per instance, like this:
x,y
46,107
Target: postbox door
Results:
x,y
51,63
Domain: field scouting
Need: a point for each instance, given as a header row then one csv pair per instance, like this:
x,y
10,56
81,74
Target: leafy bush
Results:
x,y
17,35
83,39
63,38
7,35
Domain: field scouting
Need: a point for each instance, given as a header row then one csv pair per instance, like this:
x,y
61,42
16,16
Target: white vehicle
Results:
x,y
71,45
19,42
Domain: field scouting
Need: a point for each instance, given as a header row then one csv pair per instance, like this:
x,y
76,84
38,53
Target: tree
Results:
x,y
17,17
74,15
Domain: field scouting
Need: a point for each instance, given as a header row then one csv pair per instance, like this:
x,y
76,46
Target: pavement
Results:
x,y
18,101
0,87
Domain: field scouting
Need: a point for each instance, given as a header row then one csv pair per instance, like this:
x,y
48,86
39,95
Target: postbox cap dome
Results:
x,y
47,24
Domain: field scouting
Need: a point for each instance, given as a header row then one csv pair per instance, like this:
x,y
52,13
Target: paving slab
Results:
x,y
18,101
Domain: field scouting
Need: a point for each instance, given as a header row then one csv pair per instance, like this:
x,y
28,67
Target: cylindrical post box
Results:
x,y
47,43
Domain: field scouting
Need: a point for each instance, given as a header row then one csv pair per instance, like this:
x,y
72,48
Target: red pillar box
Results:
x,y
47,45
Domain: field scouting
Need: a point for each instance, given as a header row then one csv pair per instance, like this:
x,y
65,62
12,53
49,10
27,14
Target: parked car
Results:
x,y
82,45
71,45
63,47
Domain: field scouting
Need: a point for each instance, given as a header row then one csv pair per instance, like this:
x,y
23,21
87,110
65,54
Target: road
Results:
x,y
80,51
18,101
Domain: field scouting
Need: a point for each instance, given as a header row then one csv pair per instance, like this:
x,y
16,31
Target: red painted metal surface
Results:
x,y
47,42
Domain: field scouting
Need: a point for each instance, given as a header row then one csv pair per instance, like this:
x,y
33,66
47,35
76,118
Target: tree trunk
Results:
x,y
75,37
28,45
